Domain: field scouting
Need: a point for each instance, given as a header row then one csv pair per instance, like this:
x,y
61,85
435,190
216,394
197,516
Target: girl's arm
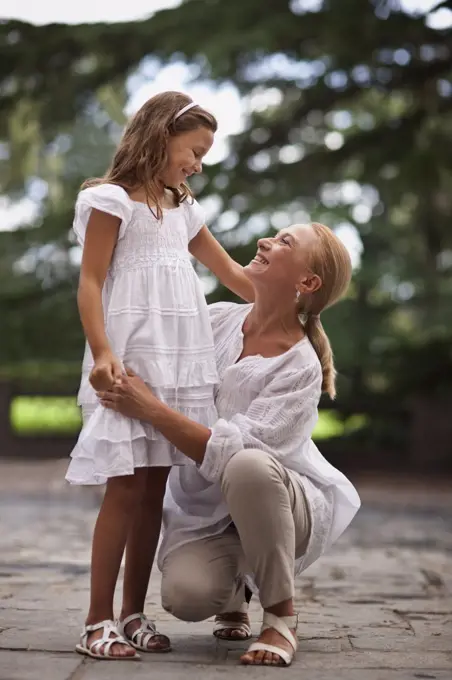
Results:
x,y
212,255
100,240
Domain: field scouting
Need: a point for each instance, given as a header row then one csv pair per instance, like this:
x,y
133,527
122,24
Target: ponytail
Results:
x,y
321,344
330,261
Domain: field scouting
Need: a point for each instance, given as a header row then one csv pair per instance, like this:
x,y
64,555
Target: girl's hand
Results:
x,y
106,372
129,396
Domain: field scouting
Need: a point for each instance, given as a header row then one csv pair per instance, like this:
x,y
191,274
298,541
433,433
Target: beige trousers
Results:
x,y
271,528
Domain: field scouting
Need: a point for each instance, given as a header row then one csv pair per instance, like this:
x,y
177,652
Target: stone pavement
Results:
x,y
377,607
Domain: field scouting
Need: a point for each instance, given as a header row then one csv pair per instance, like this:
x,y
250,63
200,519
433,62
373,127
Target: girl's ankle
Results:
x,y
92,619
128,612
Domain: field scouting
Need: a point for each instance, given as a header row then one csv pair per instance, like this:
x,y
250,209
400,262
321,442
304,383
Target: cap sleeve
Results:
x,y
108,198
196,219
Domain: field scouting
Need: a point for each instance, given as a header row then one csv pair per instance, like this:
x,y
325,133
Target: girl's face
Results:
x,y
185,152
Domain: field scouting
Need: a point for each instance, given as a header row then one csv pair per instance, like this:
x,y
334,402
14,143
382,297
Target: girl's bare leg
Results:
x,y
110,534
142,542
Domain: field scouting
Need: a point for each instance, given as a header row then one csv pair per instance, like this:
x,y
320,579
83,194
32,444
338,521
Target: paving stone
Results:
x,y
432,625
150,668
377,607
406,643
319,645
43,638
34,666
369,660
175,671
431,606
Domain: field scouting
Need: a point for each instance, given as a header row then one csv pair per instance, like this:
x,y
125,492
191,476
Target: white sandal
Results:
x,y
283,626
222,624
92,649
141,636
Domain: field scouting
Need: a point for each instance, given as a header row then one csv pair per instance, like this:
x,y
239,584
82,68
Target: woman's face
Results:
x,y
185,152
282,261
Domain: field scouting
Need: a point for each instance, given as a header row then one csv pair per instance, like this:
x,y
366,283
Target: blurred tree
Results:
x,y
39,261
348,122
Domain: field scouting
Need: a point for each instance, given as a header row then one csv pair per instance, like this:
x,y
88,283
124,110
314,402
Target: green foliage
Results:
x,y
359,115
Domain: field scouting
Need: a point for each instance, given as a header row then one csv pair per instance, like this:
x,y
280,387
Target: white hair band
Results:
x,y
185,109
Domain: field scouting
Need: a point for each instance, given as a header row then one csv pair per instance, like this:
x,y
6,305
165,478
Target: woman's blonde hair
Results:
x,y
142,152
330,260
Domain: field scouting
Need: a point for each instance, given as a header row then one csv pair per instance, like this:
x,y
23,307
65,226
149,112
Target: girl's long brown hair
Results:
x,y
142,152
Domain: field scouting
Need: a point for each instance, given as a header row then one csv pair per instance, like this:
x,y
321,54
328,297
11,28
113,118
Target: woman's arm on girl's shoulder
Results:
x,y
212,255
100,240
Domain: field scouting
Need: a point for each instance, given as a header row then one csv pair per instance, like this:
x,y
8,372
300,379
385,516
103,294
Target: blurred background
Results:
x,y
335,111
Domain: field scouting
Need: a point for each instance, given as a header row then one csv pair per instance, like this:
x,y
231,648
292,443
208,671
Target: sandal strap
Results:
x,y
142,635
282,653
282,625
90,627
105,641
133,617
221,625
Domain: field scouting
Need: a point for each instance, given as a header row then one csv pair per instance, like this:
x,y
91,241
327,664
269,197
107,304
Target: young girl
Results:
x,y
142,306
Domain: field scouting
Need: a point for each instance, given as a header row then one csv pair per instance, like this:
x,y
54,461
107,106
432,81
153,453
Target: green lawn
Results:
x,y
45,415
60,415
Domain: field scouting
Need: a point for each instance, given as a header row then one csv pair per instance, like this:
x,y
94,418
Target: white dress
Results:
x,y
157,323
268,404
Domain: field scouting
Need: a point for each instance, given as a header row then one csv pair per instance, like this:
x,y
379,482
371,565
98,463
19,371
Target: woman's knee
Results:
x,y
250,469
191,595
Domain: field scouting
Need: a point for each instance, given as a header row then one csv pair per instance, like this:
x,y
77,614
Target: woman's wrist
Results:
x,y
152,408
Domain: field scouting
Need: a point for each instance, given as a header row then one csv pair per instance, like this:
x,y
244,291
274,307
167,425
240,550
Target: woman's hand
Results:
x,y
129,396
134,399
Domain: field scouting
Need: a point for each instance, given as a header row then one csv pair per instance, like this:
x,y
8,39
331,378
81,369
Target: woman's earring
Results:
x,y
297,296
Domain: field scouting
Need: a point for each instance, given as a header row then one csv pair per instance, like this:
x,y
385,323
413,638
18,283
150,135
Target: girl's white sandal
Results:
x,y
141,636
100,648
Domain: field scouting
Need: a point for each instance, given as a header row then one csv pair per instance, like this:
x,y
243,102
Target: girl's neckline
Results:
x,y
153,207
178,207
150,208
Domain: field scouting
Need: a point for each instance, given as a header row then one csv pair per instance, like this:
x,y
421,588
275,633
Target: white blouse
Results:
x,y
262,403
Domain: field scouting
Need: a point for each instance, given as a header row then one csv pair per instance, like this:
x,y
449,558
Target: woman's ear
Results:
x,y
309,284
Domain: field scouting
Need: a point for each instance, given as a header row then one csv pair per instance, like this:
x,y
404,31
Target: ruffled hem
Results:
x,y
111,445
107,431
163,375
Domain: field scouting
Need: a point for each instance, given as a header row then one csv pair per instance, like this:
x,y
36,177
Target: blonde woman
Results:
x,y
260,503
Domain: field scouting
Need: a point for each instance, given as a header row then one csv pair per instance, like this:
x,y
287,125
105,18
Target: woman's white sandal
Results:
x,y
284,626
93,649
140,637
222,624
